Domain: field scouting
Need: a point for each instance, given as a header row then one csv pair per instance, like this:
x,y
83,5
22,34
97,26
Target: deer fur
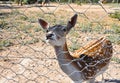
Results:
x,y
82,65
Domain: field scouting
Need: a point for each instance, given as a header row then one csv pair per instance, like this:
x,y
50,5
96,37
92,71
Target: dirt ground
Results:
x,y
36,62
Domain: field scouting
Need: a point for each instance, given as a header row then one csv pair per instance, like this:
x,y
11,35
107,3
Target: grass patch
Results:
x,y
74,33
98,29
86,28
3,24
24,18
115,15
32,41
116,28
5,43
26,28
37,29
75,45
117,60
115,38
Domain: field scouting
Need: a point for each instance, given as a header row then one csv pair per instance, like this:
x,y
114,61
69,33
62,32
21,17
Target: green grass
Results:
x,y
24,18
115,15
117,60
85,27
116,28
115,35
115,38
3,24
37,29
32,41
5,43
75,45
24,25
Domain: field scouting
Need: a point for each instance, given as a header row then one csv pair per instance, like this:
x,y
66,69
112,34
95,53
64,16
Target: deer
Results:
x,y
86,63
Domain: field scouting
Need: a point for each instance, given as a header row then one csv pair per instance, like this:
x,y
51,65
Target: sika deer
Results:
x,y
87,62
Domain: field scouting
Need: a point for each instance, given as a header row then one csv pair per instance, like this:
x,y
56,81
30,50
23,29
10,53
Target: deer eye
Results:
x,y
64,29
47,30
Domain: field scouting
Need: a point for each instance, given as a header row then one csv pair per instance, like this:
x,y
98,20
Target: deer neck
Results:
x,y
64,60
63,54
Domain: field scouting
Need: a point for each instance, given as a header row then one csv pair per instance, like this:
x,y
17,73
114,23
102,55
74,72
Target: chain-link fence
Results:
x,y
26,58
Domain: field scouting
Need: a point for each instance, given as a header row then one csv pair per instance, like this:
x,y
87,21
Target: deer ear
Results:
x,y
43,23
72,22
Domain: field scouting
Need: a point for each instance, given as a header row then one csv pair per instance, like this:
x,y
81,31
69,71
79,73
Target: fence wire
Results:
x,y
26,58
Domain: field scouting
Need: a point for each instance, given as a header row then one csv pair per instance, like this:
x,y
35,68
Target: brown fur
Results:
x,y
92,64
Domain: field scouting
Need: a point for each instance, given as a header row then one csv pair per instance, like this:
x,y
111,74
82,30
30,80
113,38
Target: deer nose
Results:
x,y
48,36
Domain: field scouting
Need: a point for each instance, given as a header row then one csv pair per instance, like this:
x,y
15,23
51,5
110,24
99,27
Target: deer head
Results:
x,y
56,35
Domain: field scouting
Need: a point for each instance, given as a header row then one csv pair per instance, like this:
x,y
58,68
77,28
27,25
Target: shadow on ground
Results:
x,y
109,81
112,81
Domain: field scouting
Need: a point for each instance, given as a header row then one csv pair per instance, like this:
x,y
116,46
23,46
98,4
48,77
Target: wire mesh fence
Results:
x,y
26,58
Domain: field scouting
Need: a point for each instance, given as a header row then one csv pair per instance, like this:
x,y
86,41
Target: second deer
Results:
x,y
86,63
